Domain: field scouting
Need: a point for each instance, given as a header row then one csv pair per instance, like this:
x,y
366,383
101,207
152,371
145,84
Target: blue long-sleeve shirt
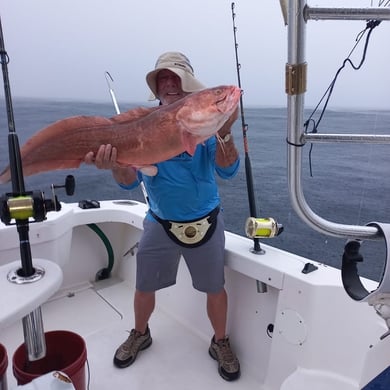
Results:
x,y
185,186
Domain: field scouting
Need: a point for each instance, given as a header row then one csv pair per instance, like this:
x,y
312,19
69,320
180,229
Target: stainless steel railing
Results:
x,y
298,13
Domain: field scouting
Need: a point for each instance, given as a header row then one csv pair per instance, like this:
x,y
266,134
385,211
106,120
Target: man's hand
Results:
x,y
105,157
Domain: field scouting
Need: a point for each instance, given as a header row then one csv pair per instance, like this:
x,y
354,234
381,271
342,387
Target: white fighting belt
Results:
x,y
379,298
190,232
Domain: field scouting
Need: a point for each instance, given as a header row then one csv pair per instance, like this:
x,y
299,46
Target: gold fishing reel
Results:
x,y
31,205
262,227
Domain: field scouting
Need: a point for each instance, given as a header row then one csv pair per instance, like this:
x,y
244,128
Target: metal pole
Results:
x,y
295,89
318,13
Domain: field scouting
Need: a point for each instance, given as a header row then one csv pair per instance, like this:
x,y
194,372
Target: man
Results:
x,y
183,190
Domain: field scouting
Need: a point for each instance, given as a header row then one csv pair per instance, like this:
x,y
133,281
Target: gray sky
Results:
x,y
61,49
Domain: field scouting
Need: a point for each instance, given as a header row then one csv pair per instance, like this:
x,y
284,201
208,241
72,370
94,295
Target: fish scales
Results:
x,y
142,136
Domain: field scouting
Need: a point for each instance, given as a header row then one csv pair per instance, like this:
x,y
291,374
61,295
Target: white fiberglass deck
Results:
x,y
290,330
178,357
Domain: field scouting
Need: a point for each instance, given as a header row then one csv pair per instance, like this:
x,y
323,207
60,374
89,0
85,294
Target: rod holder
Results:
x,y
34,335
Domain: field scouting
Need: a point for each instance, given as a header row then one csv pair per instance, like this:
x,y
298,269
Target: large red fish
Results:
x,y
142,136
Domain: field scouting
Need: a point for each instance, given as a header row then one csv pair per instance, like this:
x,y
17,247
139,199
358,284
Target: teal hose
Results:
x,y
105,272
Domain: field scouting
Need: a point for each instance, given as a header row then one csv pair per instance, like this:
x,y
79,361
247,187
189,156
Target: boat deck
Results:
x,y
178,356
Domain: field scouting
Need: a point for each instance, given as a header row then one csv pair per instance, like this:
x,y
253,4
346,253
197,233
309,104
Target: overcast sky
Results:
x,y
62,48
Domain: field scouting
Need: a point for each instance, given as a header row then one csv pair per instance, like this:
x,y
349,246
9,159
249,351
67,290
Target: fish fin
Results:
x,y
148,170
189,142
133,115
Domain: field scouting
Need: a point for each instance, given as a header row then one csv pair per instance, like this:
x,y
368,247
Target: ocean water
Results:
x,y
350,183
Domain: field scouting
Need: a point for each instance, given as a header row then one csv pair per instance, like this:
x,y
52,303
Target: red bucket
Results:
x,y
65,351
3,367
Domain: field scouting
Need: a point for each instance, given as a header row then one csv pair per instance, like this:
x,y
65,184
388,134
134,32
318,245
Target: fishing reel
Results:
x,y
262,227
32,204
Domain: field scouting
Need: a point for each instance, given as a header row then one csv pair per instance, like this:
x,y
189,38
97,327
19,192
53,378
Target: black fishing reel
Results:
x,y
32,204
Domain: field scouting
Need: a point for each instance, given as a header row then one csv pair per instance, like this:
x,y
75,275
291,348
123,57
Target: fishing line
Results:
x,y
371,24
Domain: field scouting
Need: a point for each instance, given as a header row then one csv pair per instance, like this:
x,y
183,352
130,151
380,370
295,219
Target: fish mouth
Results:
x,y
226,102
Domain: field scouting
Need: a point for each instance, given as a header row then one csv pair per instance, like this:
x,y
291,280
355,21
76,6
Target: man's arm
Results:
x,y
227,153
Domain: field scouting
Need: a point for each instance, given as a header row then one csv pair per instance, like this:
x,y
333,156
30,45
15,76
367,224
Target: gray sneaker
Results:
x,y
127,352
228,364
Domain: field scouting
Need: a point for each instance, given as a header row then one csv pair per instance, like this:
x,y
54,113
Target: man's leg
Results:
x,y
220,350
139,338
217,312
144,303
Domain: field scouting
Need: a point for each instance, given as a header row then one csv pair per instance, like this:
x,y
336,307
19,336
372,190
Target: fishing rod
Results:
x,y
112,94
117,110
255,227
21,205
15,161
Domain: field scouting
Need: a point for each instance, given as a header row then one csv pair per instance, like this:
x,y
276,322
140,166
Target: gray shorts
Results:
x,y
158,259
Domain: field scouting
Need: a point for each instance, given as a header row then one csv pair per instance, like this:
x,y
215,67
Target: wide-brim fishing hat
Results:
x,y
179,64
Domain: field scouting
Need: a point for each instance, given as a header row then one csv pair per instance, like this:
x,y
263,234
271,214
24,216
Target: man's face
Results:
x,y
169,87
